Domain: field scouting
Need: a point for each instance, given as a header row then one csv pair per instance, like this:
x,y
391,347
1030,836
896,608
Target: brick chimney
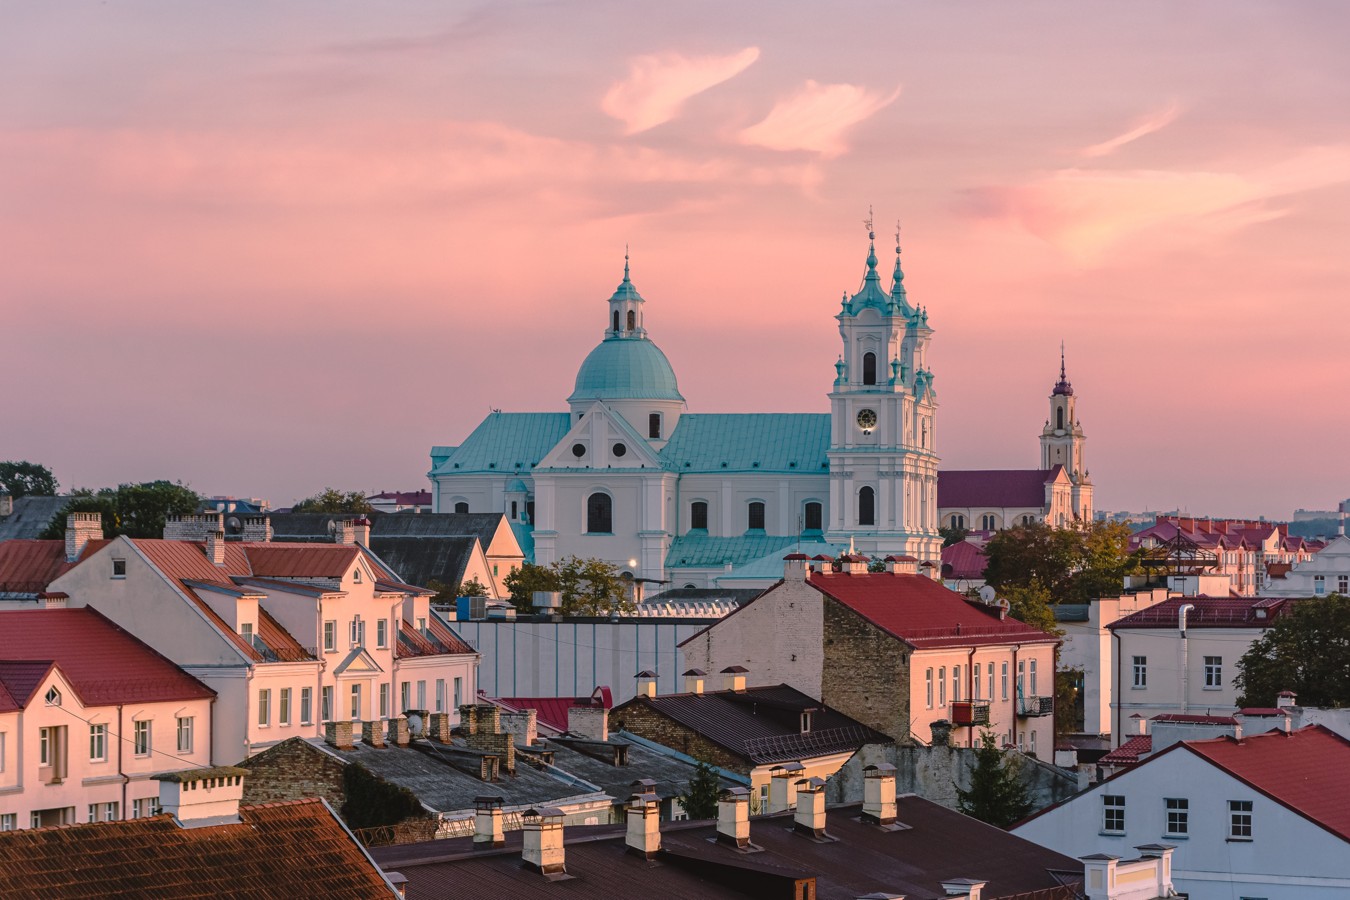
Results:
x,y
733,817
644,825
589,722
338,734
345,532
879,794
487,821
523,725
215,547
257,529
544,852
372,732
196,797
942,733
902,565
438,728
810,816
693,681
6,503
783,786
646,683
398,731
855,564
733,678
795,567
194,527
81,528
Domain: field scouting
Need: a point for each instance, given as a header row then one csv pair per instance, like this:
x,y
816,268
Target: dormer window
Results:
x,y
632,320
806,721
53,697
356,576
246,632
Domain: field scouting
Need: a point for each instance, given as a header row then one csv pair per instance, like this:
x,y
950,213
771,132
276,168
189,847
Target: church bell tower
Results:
x,y
1063,442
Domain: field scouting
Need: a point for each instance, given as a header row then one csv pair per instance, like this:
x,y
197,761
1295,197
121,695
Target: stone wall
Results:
x,y
293,770
866,672
638,718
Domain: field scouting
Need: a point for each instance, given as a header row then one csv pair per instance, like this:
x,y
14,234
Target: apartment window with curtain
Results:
x,y
264,707
284,707
306,706
98,745
141,737
928,687
384,701
942,686
326,704
184,724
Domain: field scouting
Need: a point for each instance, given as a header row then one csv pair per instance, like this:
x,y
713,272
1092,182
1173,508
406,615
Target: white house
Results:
x,y
1327,572
1262,816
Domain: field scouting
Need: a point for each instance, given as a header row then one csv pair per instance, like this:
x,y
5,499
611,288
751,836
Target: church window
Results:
x,y
632,320
813,518
654,425
867,506
578,450
616,321
515,509
756,515
599,514
959,521
529,511
1059,419
869,368
461,507
620,450
698,515
987,523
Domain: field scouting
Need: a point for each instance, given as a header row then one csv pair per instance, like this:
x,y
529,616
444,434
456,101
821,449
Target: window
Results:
x,y
144,807
1343,584
1140,672
330,636
958,521
1240,820
1005,681
8,821
405,695
987,523
1021,678
632,319
98,743
356,702
928,688
284,707
1033,678
141,737
421,695
356,576
108,811
53,697
654,425
599,514
976,681
306,706
991,681
461,507
615,317
515,510
1319,584
459,692
2,751
942,686
265,707
119,568
326,704
384,701
1059,419
1033,743
1213,673
357,631
813,518
869,368
1113,813
1178,813
246,632
867,506
440,695
382,633
698,515
956,682
756,516
184,734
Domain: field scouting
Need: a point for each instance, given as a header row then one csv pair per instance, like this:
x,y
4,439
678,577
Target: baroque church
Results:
x,y
629,476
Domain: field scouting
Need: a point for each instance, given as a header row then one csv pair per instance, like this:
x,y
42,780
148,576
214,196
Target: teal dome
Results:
x,y
626,369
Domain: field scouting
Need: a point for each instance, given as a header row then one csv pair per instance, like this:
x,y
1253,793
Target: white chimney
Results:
x,y
795,567
783,786
54,599
902,565
361,531
644,825
215,547
693,681
966,887
1285,699
855,564
543,828
589,722
81,528
487,821
646,683
733,678
879,794
810,815
6,503
197,797
733,817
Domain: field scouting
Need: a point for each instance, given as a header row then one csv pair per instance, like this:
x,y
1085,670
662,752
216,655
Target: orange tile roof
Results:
x,y
27,567
300,560
282,850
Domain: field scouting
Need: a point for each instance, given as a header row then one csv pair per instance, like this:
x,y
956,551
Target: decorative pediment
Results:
x,y
358,662
601,439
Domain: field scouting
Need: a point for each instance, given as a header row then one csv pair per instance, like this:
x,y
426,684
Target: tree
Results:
x,y
331,500
1031,604
1307,651
525,581
23,478
135,510
996,794
952,535
700,794
1069,712
1075,565
591,587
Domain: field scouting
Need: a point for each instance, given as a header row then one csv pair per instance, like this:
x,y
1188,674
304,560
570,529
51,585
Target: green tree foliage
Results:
x,y
952,535
1069,712
591,587
996,794
1075,565
1307,651
526,580
22,478
700,794
1030,603
331,500
135,510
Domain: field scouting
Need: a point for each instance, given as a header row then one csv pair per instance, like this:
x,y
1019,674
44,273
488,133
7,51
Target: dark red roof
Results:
x,y
552,711
103,663
963,560
920,611
300,560
1210,612
404,498
994,487
1128,753
1194,719
283,850
27,567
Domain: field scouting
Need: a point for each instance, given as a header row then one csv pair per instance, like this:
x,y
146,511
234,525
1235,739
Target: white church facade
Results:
x,y
630,476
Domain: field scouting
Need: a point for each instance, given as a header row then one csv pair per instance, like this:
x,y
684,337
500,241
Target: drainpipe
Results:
x,y
120,773
1118,688
1017,693
1185,653
970,692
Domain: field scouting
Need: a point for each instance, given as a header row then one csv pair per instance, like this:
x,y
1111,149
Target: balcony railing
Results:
x,y
1035,706
970,712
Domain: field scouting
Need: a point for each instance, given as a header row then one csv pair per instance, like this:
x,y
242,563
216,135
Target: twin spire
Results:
x,y
896,302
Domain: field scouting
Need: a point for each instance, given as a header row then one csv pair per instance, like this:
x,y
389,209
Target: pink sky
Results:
x,y
266,248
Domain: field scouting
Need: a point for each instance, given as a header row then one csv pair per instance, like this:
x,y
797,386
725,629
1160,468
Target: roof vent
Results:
x,y
198,797
543,827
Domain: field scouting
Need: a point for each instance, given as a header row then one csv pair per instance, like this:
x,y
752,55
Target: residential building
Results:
x,y
28,565
1250,816
204,844
88,714
400,501
25,518
1326,572
895,650
1246,552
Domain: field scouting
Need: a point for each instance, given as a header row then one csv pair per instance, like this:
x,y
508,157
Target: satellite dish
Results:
x,y
332,527
234,524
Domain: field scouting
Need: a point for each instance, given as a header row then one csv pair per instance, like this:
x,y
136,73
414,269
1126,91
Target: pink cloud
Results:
x,y
816,118
658,86
1154,121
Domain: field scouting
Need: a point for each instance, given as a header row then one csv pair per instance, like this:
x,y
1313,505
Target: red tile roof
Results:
x,y
440,638
552,711
1128,753
963,560
282,850
103,663
1210,612
922,612
994,487
27,567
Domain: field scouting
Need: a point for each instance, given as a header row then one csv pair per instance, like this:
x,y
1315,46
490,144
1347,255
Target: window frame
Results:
x,y
599,511
1139,673
381,634
184,726
284,706
98,735
1113,814
756,510
1177,811
142,737
264,719
695,508
869,506
1241,818
928,684
306,706
330,636
942,686
1213,673
326,703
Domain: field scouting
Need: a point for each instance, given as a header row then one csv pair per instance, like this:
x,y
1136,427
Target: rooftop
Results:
x,y
28,566
31,516
1009,488
1210,612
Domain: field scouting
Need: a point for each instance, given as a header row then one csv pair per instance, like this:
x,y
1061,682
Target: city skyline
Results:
x,y
267,250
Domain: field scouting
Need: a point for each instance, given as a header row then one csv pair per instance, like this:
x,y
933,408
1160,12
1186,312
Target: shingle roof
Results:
x,y
421,560
749,442
282,850
1128,753
995,488
31,516
507,442
103,663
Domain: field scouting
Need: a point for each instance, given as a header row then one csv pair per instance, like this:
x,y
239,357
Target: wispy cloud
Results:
x,y
657,86
816,118
1154,121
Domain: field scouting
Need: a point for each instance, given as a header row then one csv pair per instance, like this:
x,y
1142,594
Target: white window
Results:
x,y
356,702
382,633
1240,820
421,625
98,743
141,737
53,697
991,681
330,636
1343,584
93,812
1113,813
1213,673
1178,816
956,682
942,686
1033,743
146,806
306,706
105,812
8,821
459,692
45,741
264,707
110,812
976,681
1140,672
440,695
421,695
1034,693
284,707
185,734
357,631
928,687
1005,681
405,695
384,701
326,701
1021,678
1319,584
246,632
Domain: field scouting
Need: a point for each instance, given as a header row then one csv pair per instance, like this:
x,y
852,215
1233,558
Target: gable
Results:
x,y
601,439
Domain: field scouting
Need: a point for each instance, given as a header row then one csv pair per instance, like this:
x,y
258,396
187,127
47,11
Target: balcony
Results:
x,y
1031,707
970,712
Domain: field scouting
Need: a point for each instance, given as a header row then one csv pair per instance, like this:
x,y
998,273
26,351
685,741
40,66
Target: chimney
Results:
x,y
338,734
879,794
54,599
1161,857
1099,875
361,531
644,825
965,887
196,797
487,821
523,725
855,564
795,566
942,733
589,722
372,732
1285,699
1140,724
215,547
544,840
783,786
810,815
646,683
257,529
194,527
344,532
693,681
81,528
902,565
438,728
823,564
6,503
733,678
398,731
733,817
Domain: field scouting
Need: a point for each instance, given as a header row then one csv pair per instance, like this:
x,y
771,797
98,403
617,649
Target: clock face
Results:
x,y
867,419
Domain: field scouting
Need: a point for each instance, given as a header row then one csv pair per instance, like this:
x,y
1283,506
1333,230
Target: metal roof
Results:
x,y
749,442
696,549
626,368
507,442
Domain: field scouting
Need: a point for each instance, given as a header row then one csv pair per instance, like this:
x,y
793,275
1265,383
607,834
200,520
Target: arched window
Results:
x,y
461,507
958,521
698,515
988,523
632,320
869,368
813,517
756,516
1059,418
654,425
867,506
599,514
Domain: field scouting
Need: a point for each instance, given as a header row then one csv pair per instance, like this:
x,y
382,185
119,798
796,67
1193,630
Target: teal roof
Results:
x,y
696,550
749,442
507,442
771,566
525,537
626,368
